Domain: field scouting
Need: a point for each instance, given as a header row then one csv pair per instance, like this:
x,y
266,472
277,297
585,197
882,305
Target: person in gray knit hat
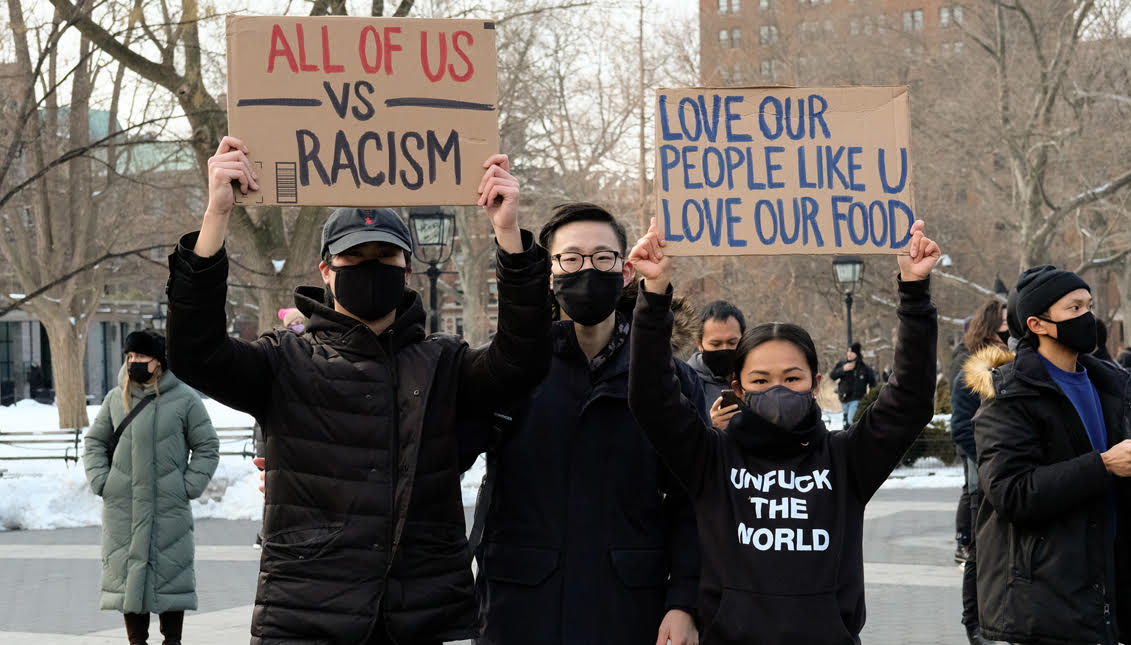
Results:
x,y
1054,461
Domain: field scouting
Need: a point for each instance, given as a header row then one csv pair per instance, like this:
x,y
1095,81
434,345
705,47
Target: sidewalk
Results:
x,y
51,579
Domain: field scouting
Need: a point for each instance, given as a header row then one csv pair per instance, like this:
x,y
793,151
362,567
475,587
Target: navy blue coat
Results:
x,y
587,539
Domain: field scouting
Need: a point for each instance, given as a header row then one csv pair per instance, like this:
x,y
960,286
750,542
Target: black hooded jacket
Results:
x,y
781,525
1051,568
364,516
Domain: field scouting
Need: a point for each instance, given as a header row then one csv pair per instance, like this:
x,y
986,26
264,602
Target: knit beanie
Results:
x,y
148,343
1040,287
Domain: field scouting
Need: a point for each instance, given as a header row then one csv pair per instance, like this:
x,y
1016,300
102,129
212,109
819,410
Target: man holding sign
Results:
x,y
364,534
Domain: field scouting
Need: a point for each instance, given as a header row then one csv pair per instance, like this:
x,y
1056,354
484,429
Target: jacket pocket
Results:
x,y
521,565
301,544
1021,547
747,617
640,568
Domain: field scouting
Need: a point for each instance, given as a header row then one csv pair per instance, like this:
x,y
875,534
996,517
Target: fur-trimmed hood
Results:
x,y
978,371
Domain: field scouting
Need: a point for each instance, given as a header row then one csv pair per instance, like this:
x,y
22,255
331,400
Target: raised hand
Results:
x,y
498,195
229,164
922,255
650,261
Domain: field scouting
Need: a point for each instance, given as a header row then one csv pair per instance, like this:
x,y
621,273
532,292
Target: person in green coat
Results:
x,y
164,457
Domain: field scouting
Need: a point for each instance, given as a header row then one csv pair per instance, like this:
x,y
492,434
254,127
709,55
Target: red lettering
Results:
x,y
302,52
461,78
363,46
424,56
390,48
327,66
280,47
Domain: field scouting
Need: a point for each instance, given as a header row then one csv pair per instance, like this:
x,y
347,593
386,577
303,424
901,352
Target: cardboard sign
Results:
x,y
341,111
769,171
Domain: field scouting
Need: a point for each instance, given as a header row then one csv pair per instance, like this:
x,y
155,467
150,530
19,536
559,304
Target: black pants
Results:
x,y
970,572
380,636
137,627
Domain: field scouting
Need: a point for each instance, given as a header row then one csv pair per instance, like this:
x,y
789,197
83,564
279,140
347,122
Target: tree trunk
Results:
x,y
477,244
68,348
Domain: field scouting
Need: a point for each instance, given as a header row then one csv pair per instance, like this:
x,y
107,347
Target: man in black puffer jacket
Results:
x,y
364,534
1054,526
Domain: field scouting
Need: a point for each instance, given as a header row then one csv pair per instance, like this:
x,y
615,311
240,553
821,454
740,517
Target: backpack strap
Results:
x,y
125,422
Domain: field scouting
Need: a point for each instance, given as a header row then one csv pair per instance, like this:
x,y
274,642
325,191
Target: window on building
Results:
x,y
881,22
736,38
723,6
763,4
854,27
956,15
767,68
957,47
767,35
868,28
944,17
724,39
913,20
735,6
946,48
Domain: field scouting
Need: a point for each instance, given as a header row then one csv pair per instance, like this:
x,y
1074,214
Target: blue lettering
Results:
x,y
818,115
750,183
801,175
765,203
853,166
734,161
771,167
711,123
668,235
668,135
732,221
685,101
730,117
898,188
838,217
688,167
721,165
833,162
863,237
669,158
766,132
687,224
883,219
893,205
809,218
800,119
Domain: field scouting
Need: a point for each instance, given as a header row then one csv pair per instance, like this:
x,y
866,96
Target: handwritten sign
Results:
x,y
342,111
768,171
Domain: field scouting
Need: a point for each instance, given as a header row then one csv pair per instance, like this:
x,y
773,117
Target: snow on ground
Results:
x,y
48,494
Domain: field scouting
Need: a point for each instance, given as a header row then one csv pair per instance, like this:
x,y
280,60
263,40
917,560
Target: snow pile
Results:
x,y
927,472
53,500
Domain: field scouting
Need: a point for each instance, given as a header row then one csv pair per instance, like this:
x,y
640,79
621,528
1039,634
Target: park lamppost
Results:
x,y
433,229
848,270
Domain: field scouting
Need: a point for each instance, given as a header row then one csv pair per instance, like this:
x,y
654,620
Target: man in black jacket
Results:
x,y
721,328
853,379
1054,561
586,538
364,535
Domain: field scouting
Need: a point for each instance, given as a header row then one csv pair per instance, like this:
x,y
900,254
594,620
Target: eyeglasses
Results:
x,y
601,260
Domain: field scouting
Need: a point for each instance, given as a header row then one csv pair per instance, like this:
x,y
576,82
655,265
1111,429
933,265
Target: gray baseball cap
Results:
x,y
348,227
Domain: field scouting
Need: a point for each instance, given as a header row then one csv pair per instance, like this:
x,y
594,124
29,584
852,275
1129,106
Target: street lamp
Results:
x,y
433,229
848,270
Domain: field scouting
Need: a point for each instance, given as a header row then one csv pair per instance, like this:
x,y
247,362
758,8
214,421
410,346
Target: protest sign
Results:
x,y
342,111
768,171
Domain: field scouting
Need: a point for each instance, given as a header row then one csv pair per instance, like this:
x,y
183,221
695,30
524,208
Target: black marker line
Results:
x,y
439,103
279,103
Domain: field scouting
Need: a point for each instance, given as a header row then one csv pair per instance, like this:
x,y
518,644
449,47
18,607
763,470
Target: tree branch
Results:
x,y
19,304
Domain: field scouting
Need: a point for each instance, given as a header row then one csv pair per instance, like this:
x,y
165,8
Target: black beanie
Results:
x,y
1040,287
147,342
856,349
1016,329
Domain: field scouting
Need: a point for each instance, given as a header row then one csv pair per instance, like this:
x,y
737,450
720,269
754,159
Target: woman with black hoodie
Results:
x,y
778,499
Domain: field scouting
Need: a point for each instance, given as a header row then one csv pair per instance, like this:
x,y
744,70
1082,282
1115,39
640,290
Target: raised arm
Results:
x,y
907,403
518,357
200,351
674,424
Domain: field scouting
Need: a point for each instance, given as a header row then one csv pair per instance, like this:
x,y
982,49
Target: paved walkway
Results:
x,y
50,579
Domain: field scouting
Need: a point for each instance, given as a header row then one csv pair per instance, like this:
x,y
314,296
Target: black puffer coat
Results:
x,y
1051,569
364,517
852,384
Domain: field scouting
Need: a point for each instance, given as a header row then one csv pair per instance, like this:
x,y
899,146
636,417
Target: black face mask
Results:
x,y
139,372
1004,336
781,406
719,361
369,290
589,296
778,421
1077,334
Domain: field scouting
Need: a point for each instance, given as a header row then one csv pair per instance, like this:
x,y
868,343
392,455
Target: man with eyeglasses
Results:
x,y
581,535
